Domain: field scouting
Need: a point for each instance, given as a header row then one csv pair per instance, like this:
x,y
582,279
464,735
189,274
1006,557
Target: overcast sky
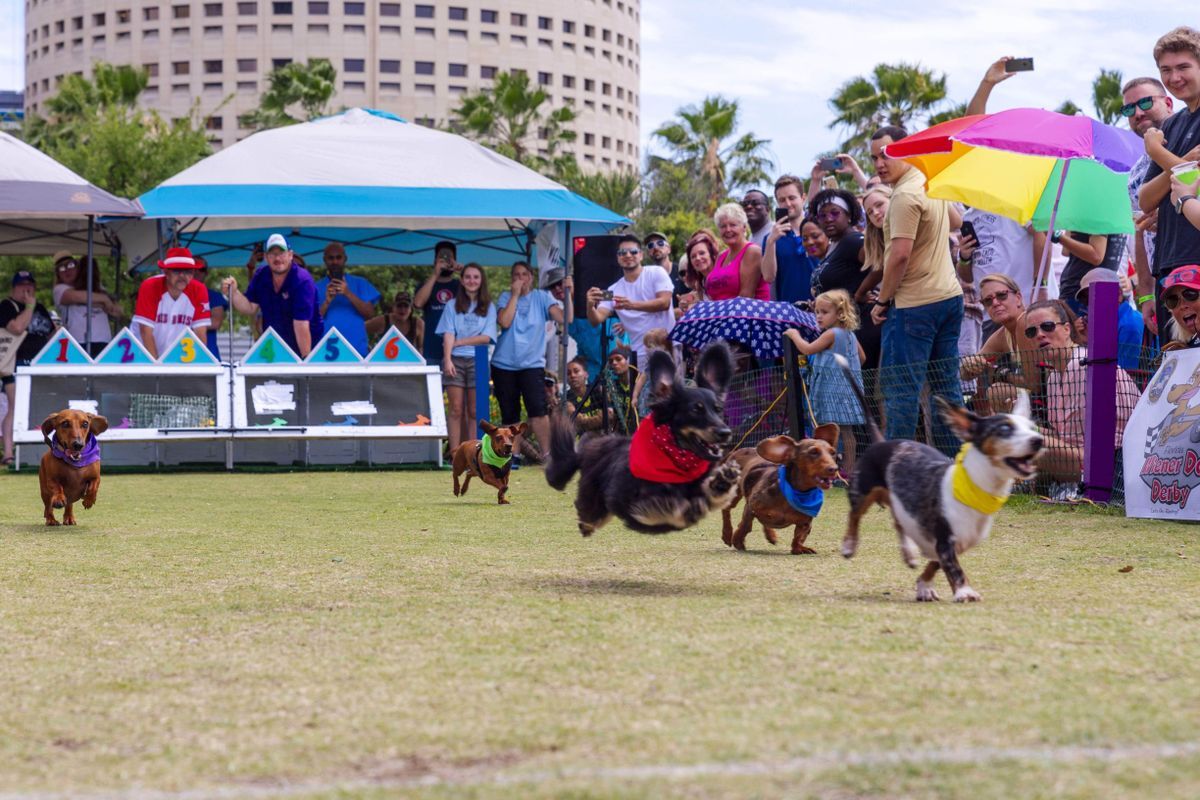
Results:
x,y
783,60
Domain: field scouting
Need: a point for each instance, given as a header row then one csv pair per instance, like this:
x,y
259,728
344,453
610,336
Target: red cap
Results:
x,y
178,258
1188,275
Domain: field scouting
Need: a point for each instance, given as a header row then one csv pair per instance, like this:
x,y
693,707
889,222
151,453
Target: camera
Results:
x,y
606,294
831,164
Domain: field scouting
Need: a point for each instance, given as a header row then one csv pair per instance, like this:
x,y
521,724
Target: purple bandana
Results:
x,y
90,453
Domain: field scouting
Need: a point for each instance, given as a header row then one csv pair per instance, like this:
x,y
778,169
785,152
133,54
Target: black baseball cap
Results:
x,y
23,276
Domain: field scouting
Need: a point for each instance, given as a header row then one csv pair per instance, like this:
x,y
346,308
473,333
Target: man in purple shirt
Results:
x,y
286,295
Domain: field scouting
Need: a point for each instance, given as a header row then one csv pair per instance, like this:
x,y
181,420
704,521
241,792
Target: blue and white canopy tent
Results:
x,y
389,190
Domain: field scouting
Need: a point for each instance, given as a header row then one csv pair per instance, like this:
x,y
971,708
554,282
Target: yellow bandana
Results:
x,y
967,492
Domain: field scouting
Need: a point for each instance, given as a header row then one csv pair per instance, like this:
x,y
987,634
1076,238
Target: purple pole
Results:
x,y
483,397
1100,432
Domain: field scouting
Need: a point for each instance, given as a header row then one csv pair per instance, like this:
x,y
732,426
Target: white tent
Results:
x,y
386,188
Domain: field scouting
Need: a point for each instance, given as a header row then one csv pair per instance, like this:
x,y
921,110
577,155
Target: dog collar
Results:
x,y
807,502
90,453
489,455
654,456
967,492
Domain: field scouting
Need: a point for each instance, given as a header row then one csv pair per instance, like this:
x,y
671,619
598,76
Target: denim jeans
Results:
x,y
920,344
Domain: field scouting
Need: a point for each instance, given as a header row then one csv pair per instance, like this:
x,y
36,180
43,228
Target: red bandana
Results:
x,y
654,456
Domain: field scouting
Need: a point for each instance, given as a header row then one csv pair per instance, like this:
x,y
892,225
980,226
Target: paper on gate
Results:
x,y
272,397
348,407
86,406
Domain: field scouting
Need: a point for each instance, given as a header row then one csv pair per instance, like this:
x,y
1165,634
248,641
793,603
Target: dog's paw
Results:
x,y
849,547
88,502
966,594
723,481
52,523
770,535
926,592
586,529
803,550
504,501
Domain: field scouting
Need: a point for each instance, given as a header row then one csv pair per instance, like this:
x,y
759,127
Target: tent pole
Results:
x,y
1042,271
568,313
87,336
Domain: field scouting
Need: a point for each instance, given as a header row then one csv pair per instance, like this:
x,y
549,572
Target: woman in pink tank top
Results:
x,y
738,272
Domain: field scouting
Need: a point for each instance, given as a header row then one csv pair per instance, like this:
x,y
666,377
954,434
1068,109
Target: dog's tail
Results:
x,y
564,461
872,426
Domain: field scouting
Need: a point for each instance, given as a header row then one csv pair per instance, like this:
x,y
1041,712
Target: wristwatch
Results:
x,y
1056,236
884,303
1179,203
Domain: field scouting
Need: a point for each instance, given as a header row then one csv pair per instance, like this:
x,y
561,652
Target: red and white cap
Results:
x,y
178,258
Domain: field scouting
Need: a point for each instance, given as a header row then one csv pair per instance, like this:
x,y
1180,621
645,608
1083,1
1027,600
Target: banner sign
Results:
x,y
1162,443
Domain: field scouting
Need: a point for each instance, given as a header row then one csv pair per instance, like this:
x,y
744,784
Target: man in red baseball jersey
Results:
x,y
170,302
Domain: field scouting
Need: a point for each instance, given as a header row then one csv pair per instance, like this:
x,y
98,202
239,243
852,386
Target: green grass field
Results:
x,y
369,635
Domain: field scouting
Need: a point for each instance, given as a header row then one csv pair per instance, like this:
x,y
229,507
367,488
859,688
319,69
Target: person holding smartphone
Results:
x,y
347,301
786,265
439,289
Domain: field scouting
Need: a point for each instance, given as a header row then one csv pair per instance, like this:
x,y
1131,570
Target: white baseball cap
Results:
x,y
277,240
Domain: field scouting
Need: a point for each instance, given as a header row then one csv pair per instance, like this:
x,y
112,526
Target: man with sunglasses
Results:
x,y
1176,141
757,206
658,247
641,299
1146,105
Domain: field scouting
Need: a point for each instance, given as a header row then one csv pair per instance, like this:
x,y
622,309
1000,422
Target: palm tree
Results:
x,y
699,139
1106,96
892,95
512,117
619,191
309,86
952,112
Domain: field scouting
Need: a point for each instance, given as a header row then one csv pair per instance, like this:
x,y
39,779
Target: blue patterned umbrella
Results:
x,y
758,324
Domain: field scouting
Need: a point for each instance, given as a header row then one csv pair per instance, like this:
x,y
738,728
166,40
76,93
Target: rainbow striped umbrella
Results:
x,y
1030,165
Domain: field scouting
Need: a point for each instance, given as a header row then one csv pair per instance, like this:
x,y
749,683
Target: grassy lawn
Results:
x,y
368,635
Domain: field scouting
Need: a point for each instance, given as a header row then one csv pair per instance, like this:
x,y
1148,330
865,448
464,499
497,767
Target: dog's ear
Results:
x,y
488,427
521,429
827,433
49,424
97,424
714,370
1021,407
661,374
777,449
960,420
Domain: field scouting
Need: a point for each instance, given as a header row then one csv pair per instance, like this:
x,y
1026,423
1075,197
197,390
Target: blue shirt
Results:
x,y
522,345
793,269
215,300
341,313
1129,336
295,300
464,325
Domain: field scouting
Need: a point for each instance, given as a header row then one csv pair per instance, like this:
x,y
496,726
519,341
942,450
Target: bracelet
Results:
x,y
884,303
1143,299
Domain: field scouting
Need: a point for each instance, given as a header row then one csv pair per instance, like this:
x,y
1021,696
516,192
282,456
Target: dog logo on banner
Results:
x,y
1168,466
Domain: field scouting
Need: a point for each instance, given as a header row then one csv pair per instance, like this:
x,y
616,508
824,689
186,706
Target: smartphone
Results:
x,y
831,164
968,230
781,214
1018,65
606,294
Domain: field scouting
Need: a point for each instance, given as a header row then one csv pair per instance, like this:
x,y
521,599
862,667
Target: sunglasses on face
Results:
x,y
656,243
748,203
1172,300
67,267
991,298
1129,109
1047,326
628,251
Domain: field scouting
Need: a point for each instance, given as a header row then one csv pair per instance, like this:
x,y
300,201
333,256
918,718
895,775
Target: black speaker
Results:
x,y
595,265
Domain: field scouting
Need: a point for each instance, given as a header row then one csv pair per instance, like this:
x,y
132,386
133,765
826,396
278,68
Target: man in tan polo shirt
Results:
x,y
920,303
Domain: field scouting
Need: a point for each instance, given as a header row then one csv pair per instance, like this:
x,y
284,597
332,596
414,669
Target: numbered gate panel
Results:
x,y
342,401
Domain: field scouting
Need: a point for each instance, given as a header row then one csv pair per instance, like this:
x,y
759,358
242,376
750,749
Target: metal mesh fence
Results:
x,y
170,411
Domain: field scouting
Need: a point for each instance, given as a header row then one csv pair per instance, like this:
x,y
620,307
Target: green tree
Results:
x,y
703,140
309,86
892,95
952,112
95,128
619,191
515,119
1106,96
1069,108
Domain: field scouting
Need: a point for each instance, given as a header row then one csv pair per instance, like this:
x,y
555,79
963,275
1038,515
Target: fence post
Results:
x,y
483,396
795,386
1099,438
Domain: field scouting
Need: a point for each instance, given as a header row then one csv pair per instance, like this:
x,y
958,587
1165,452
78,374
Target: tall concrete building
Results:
x,y
416,59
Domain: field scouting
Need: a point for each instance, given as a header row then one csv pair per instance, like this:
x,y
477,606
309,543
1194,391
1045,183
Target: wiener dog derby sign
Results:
x,y
1162,443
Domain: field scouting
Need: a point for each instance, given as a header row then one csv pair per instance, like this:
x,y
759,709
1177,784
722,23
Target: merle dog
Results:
x,y
673,478
940,507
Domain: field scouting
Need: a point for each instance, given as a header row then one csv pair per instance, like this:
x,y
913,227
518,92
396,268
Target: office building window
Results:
x,y
458,70
568,81
354,86
355,9
281,8
389,9
489,17
213,67
97,21
151,70
247,65
423,67
458,13
491,36
247,9
589,139
488,73
353,65
181,68
423,12
181,12
318,9
517,20
389,66
545,24
568,26
545,79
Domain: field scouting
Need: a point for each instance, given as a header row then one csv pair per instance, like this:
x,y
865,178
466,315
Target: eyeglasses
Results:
x,y
830,212
67,267
1129,109
1172,300
628,251
657,243
987,300
1047,327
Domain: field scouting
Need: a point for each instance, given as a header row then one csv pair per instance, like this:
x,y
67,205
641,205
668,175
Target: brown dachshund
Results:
x,y
70,471
810,467
492,468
